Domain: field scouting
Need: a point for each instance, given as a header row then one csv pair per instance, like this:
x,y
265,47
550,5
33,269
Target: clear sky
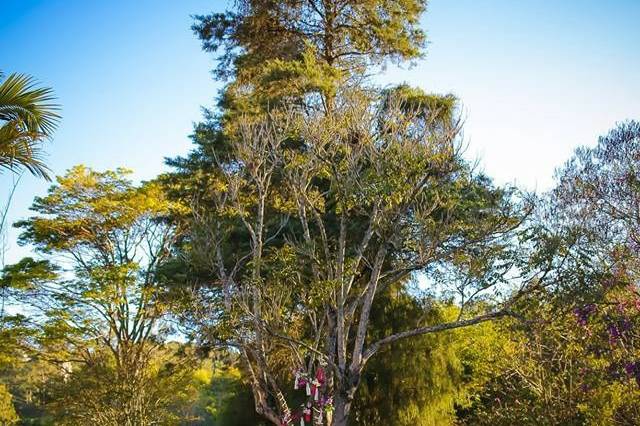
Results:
x,y
537,78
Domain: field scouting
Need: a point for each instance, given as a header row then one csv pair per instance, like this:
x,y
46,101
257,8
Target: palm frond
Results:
x,y
28,116
22,149
22,100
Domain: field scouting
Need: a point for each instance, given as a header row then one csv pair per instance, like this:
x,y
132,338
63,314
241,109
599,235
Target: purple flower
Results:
x,y
614,333
583,313
625,325
633,370
630,368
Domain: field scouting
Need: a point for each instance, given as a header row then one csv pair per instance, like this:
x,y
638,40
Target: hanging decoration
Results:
x,y
318,404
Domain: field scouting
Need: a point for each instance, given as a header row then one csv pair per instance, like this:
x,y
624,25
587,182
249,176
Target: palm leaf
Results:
x,y
22,100
28,116
20,149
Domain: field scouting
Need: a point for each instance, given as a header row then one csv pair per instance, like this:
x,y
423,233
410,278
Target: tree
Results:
x,y
27,117
100,310
311,217
425,380
95,393
311,193
597,196
306,50
577,361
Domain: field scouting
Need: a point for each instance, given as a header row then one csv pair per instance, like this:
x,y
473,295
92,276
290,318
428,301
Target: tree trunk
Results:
x,y
342,405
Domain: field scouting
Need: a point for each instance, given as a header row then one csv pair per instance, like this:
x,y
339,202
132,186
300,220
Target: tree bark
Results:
x,y
342,408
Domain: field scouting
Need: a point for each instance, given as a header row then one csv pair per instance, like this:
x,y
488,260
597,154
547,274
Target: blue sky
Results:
x,y
537,78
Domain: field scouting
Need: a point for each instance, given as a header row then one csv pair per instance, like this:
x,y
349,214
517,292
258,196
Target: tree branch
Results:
x,y
374,347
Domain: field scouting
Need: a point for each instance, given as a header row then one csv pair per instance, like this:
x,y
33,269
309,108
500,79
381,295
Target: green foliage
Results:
x,y
16,330
537,381
229,398
22,275
15,333
559,371
162,394
8,414
99,313
29,381
27,117
422,381
295,50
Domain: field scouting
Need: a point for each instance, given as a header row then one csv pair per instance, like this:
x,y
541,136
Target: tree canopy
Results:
x,y
95,301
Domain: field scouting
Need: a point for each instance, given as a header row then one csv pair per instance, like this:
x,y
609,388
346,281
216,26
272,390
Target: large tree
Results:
x,y
95,300
311,193
310,217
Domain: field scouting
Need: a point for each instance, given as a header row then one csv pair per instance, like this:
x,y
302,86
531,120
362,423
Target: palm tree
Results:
x,y
28,116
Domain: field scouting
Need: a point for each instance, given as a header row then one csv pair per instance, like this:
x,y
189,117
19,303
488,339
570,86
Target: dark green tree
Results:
x,y
300,48
422,381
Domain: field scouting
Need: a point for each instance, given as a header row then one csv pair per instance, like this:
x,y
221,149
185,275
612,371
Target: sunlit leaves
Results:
x,y
8,415
26,273
88,207
28,115
100,307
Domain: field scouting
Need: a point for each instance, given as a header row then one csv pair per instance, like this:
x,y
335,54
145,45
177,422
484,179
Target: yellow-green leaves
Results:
x,y
100,307
86,207
26,273
8,415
